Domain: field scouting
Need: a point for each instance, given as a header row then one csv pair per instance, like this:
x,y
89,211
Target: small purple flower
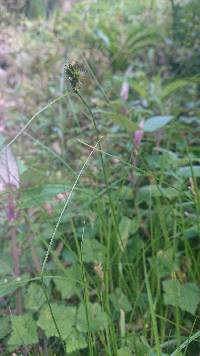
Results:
x,y
137,138
124,91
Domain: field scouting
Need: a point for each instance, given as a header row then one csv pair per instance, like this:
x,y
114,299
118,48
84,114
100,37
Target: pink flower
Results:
x,y
124,91
137,138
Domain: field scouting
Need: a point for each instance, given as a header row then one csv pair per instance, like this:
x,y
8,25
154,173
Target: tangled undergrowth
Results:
x,y
99,179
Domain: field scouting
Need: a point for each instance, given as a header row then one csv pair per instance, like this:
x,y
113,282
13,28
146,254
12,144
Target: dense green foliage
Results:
x,y
100,228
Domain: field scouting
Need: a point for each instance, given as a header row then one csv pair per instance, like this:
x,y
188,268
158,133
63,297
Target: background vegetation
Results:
x,y
99,180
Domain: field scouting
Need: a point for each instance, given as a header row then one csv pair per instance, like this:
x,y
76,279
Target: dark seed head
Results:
x,y
74,74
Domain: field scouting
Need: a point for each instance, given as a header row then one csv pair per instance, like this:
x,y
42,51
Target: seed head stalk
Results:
x,y
105,176
74,74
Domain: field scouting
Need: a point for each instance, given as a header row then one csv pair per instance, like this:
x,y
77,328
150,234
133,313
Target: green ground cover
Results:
x,y
99,179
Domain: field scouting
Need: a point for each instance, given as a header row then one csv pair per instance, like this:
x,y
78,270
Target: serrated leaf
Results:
x,y
8,285
164,263
185,296
35,297
138,345
65,318
75,341
120,301
124,351
68,285
92,250
157,122
5,327
24,330
97,318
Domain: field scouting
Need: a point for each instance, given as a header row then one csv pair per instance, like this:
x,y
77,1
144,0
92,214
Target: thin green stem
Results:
x,y
115,222
52,315
151,306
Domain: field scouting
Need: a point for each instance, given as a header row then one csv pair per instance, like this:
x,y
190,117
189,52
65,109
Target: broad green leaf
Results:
x,y
157,122
192,232
75,341
37,196
5,327
124,229
120,301
65,318
68,285
97,318
5,264
92,250
124,351
155,191
142,301
138,345
121,120
134,246
167,158
24,330
185,296
35,297
135,224
164,263
127,227
188,171
8,285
